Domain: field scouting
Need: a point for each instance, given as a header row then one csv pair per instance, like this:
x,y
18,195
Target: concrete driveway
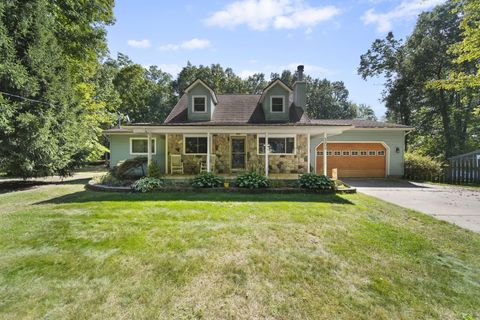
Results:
x,y
458,205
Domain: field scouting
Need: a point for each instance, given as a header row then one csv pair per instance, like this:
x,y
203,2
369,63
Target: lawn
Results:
x,y
70,253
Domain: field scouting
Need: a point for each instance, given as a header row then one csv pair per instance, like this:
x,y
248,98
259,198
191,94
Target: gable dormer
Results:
x,y
275,101
201,101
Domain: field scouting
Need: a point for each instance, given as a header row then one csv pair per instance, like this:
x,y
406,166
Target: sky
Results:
x,y
266,36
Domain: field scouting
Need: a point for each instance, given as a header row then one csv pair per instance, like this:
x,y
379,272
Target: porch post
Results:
x,y
308,153
149,147
208,151
325,153
166,153
266,154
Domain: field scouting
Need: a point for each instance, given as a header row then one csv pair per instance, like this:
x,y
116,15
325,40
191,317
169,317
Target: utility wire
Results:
x,y
25,98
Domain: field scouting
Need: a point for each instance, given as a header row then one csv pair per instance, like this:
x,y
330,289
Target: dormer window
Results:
x,y
199,104
277,104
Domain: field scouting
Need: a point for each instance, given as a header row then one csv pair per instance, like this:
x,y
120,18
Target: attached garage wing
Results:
x,y
353,159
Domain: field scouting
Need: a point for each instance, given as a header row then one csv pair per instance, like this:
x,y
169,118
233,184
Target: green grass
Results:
x,y
69,253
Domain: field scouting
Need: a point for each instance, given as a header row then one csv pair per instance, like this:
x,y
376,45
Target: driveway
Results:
x,y
458,205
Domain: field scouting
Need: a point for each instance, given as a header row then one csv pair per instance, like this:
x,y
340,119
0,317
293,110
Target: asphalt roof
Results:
x,y
245,109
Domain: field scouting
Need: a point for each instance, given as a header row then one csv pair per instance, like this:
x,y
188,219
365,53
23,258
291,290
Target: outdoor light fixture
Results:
x,y
397,149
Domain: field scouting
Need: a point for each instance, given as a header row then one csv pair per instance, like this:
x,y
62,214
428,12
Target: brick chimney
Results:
x,y
300,88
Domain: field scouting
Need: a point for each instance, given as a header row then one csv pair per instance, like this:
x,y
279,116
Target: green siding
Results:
x,y
120,149
200,90
391,138
276,90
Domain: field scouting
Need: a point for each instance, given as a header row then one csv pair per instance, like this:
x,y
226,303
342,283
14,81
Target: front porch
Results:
x,y
285,157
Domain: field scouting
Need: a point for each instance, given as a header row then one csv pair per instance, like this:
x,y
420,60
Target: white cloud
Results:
x,y
406,9
265,14
145,43
192,44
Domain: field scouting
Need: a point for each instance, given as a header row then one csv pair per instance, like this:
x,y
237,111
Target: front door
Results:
x,y
238,153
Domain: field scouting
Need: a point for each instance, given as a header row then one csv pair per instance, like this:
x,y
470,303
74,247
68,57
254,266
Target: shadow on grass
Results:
x,y
92,196
20,185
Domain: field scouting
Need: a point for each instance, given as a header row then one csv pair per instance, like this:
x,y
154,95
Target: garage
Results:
x,y
354,159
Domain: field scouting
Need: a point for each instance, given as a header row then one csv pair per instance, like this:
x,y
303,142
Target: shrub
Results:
x,y
207,180
314,181
126,167
252,180
421,167
108,179
154,170
147,184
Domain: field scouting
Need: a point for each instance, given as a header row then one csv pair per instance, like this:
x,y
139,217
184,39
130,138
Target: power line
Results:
x,y
25,98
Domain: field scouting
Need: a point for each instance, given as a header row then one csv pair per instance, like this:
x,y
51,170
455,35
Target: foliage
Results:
x,y
328,100
109,179
364,112
207,180
146,95
420,166
445,120
252,180
466,50
147,184
125,169
49,54
154,170
313,181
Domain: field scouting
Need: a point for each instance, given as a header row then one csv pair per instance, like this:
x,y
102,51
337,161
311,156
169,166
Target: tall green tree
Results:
x,y
444,120
49,110
146,95
221,80
328,100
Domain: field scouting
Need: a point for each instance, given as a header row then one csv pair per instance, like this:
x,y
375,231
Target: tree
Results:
x,y
466,51
146,95
328,100
220,80
444,120
49,71
364,112
38,133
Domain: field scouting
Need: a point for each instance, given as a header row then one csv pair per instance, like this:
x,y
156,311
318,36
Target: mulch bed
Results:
x,y
282,190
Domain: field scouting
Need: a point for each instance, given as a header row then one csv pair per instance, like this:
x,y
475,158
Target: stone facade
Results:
x,y
221,155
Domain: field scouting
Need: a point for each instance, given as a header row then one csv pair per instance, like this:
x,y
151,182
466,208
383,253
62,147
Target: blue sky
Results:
x,y
266,36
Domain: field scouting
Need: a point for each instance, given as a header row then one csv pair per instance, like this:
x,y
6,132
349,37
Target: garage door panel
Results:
x,y
354,166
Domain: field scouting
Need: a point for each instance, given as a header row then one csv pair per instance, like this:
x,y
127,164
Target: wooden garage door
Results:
x,y
354,159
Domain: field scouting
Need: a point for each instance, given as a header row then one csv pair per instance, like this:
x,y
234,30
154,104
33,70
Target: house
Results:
x,y
227,133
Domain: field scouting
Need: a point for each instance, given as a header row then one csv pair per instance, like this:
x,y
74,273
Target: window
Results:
x,y
278,145
337,153
276,104
372,152
199,103
345,153
354,153
195,145
329,153
380,152
363,153
140,146
319,153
